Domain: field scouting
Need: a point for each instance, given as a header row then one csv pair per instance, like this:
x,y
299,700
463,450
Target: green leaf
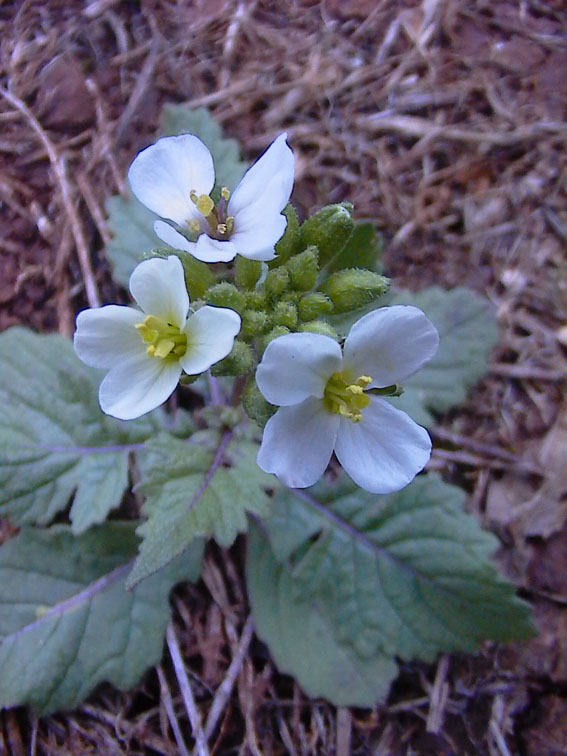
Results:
x,y
362,250
132,228
66,621
203,487
54,440
179,119
405,575
302,639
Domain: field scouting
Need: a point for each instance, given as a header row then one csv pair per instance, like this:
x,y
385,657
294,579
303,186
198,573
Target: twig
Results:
x,y
344,731
528,372
225,688
168,703
201,747
59,169
142,82
438,697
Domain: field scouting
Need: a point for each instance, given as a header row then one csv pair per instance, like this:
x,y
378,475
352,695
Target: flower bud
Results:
x,y
256,300
329,230
289,243
285,314
353,288
303,269
255,322
313,305
277,281
320,326
241,360
273,334
247,272
226,295
255,406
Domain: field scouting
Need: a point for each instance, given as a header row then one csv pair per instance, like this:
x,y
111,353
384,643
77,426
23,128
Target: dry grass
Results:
x,y
445,121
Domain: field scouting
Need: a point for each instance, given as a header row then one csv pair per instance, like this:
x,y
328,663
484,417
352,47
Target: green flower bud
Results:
x,y
285,314
263,341
255,406
313,305
247,272
354,288
225,294
303,269
256,300
289,243
329,230
277,281
319,326
198,275
240,361
255,322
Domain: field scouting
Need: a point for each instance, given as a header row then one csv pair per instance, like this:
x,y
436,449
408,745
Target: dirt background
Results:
x,y
445,121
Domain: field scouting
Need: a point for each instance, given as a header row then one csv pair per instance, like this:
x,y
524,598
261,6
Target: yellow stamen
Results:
x,y
164,340
221,229
345,396
205,205
194,226
225,193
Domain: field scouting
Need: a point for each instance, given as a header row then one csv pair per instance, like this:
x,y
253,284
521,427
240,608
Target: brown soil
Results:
x,y
445,121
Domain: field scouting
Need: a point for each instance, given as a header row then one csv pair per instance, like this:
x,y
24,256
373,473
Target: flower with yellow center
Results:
x,y
174,178
330,400
145,350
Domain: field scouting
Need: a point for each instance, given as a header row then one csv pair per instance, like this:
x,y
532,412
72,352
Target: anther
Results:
x,y
225,193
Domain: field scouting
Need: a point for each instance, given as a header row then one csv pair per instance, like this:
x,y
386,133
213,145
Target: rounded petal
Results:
x,y
212,250
108,334
158,286
297,366
163,175
390,344
136,386
210,336
256,232
298,442
268,182
385,450
173,238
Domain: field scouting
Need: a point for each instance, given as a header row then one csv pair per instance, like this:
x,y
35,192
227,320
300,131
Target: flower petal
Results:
x,y
212,250
390,344
385,450
297,366
163,175
210,336
268,182
298,442
173,238
158,286
256,231
136,386
107,334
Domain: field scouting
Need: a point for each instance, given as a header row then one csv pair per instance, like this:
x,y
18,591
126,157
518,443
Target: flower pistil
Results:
x,y
220,225
164,340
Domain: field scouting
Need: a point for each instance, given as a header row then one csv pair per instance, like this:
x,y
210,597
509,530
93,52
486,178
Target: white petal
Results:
x,y
212,250
297,366
163,175
385,450
390,344
298,442
256,231
268,182
158,286
173,238
107,334
137,386
210,336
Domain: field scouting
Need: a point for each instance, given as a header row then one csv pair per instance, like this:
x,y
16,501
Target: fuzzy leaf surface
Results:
x,y
132,228
203,487
67,622
55,443
405,575
362,250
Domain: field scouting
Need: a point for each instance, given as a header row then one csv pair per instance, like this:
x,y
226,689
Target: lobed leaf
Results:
x,y
66,621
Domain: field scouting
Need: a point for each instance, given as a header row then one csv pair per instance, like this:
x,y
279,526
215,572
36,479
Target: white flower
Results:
x,y
174,178
146,350
325,403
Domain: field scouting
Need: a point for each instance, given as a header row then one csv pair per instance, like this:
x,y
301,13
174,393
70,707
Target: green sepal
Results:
x,y
277,281
288,245
255,405
225,294
285,314
303,269
329,230
198,276
354,288
247,272
255,322
240,361
313,305
321,327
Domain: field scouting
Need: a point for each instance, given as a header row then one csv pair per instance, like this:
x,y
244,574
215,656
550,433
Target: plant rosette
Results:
x,y
330,400
174,179
145,350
